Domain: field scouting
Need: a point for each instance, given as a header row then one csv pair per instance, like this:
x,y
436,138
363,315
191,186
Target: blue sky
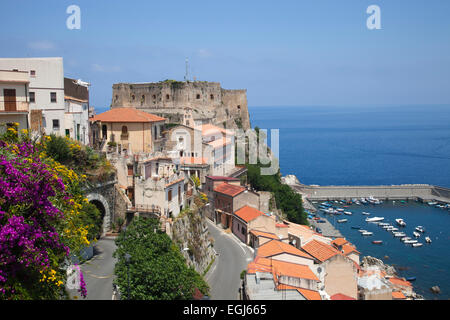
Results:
x,y
283,52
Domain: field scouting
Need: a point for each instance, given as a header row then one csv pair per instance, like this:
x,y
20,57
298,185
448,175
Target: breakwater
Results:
x,y
420,192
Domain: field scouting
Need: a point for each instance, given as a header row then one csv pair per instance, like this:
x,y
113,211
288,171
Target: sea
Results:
x,y
370,145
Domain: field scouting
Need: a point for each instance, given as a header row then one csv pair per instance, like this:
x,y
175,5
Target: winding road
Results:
x,y
233,257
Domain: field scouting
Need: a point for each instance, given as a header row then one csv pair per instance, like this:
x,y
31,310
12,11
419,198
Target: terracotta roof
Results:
x,y
278,268
282,268
347,249
398,295
247,213
229,189
339,241
193,160
264,234
126,115
219,143
174,182
340,296
281,225
276,247
400,282
308,294
208,129
319,250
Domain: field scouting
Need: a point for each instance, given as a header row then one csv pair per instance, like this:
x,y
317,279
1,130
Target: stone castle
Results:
x,y
188,103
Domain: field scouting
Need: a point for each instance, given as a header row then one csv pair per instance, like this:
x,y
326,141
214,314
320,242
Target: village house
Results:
x,y
338,274
241,220
127,130
76,116
281,251
372,285
347,249
14,103
229,198
44,95
282,280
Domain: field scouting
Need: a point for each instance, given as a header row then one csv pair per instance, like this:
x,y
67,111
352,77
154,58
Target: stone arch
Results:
x,y
102,204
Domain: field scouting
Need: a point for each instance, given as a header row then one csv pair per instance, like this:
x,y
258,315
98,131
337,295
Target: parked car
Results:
x,y
320,221
318,230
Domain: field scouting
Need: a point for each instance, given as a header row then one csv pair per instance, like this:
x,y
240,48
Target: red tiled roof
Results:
x,y
247,213
347,249
281,268
339,241
308,294
400,282
275,247
229,189
126,115
340,296
281,225
319,250
193,160
398,295
264,234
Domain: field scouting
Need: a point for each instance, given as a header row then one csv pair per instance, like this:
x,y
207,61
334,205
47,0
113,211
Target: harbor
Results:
x,y
409,235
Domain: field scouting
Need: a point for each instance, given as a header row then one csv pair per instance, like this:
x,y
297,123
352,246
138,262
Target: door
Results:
x,y
10,99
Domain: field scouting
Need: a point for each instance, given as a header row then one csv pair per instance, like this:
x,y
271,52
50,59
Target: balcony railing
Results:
x,y
21,106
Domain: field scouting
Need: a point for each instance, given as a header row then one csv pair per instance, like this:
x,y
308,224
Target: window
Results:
x,y
198,96
33,73
53,97
154,97
133,97
169,196
130,170
167,97
124,130
55,124
67,133
212,97
32,97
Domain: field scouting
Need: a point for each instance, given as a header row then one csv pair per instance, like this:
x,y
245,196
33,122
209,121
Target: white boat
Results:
x,y
382,224
374,219
367,233
342,220
386,227
417,244
399,234
400,222
340,210
362,231
365,213
432,203
405,238
427,239
410,242
416,234
393,229
420,229
348,213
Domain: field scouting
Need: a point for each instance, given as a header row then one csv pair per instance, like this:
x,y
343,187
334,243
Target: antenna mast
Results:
x,y
186,76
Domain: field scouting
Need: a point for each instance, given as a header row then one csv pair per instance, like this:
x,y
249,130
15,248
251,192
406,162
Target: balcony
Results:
x,y
11,76
19,107
124,137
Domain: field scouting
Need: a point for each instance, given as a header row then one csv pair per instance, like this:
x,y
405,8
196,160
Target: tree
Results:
x,y
156,269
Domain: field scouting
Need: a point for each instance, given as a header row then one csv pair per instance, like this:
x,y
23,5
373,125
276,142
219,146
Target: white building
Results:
x,y
14,106
46,91
76,96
